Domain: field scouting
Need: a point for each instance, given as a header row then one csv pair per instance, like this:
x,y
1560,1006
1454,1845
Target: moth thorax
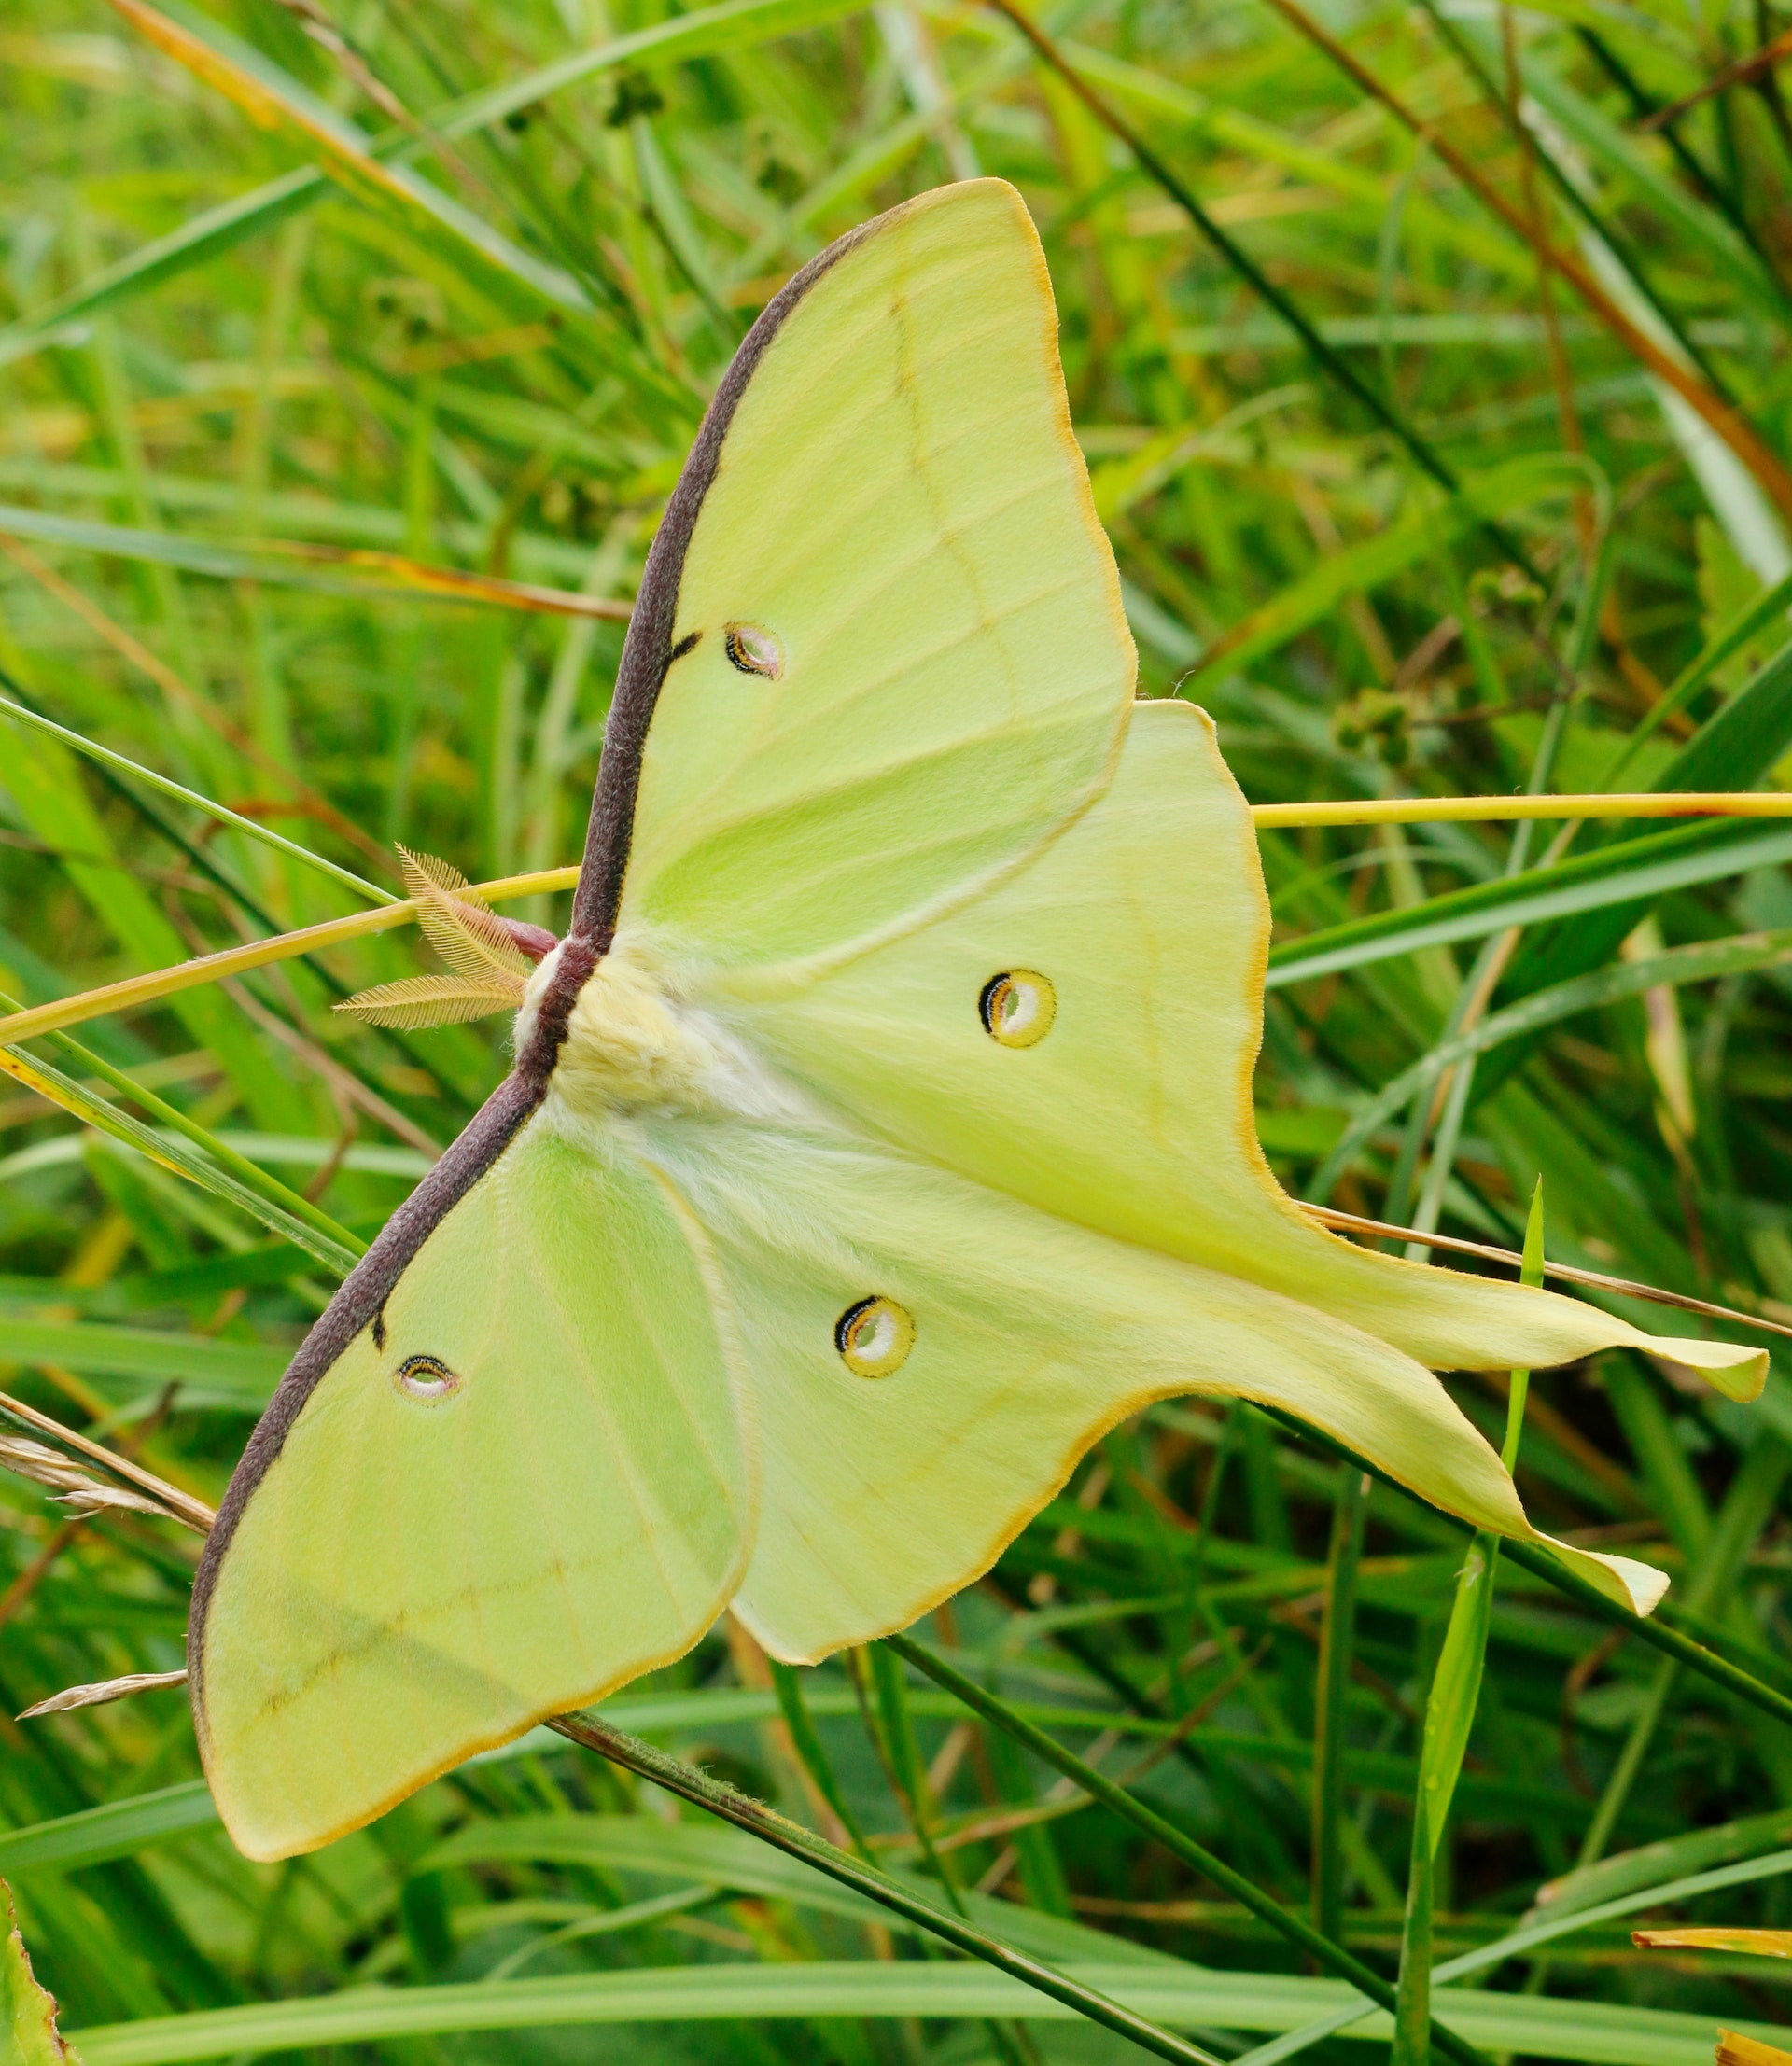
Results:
x,y
630,1044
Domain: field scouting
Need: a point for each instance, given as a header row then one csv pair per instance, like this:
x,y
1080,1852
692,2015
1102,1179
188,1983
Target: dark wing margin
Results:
x,y
647,651
362,1295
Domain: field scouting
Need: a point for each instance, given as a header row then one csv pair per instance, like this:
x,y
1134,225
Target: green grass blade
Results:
x,y
1568,2030
772,1828
273,99
229,1372
1374,561
1331,1718
277,562
1652,1630
1654,1864
1624,158
219,1151
95,1835
1627,873
1773,601
787,1683
1286,1921
92,751
261,1197
705,31
1532,1936
1545,1008
1737,745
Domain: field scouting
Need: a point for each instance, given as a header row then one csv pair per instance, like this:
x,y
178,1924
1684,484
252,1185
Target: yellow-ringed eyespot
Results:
x,y
874,1337
753,650
427,1377
1017,1007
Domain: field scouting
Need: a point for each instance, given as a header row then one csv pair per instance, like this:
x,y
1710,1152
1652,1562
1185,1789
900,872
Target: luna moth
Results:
x,y
880,1133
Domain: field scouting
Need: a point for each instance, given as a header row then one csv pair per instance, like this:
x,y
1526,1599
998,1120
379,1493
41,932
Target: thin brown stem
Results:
x,y
1740,73
191,1510
1740,435
33,1574
1559,370
1351,1222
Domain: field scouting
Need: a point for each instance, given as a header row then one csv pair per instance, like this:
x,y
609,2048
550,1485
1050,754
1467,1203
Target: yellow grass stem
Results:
x,y
136,991
1430,810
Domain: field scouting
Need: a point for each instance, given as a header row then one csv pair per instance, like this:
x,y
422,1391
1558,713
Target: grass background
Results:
x,y
1391,399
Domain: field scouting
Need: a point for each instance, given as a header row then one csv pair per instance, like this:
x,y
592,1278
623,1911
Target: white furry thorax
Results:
x,y
635,1043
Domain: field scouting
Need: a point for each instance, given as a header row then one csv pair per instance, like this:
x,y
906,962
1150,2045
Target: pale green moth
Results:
x,y
879,1136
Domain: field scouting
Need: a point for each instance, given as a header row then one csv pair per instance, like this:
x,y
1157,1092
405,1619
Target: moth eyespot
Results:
x,y
427,1377
754,650
1017,1007
874,1337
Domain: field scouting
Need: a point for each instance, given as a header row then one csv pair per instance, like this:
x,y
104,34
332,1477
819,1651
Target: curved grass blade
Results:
x,y
703,33
220,229
1567,2030
276,100
1649,1866
95,1835
270,1188
231,1374
722,1857
1284,1922
1532,1936
288,563
92,751
134,992
1562,1000
1654,1631
1773,601
1745,737
337,1248
589,1729
1629,872
1474,498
